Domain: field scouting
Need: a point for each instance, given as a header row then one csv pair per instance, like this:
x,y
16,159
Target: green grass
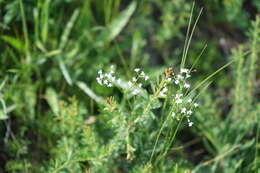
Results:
x,y
56,118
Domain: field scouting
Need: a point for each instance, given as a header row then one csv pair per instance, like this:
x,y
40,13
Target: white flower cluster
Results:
x,y
135,85
184,107
141,74
163,91
182,77
179,79
107,79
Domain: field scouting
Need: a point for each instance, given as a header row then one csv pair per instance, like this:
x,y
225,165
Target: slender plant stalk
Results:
x,y
256,145
198,57
170,142
157,138
238,84
190,37
210,76
25,32
187,36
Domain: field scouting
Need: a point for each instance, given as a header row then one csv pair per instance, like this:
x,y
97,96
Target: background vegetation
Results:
x,y
51,52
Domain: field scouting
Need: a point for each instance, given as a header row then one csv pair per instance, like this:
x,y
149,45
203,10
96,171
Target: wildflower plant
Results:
x,y
150,106
172,91
49,125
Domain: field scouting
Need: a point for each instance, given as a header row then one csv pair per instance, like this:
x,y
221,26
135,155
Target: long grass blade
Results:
x,y
210,76
25,32
65,72
187,36
190,37
198,57
68,28
90,93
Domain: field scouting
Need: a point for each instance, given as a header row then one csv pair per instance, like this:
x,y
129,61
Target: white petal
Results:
x,y
137,69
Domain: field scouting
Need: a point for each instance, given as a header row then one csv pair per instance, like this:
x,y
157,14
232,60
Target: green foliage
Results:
x,y
56,118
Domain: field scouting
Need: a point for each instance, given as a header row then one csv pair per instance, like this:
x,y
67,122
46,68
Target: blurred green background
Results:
x,y
48,46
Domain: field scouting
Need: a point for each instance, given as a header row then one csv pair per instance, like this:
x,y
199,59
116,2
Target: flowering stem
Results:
x,y
154,96
158,136
161,85
171,140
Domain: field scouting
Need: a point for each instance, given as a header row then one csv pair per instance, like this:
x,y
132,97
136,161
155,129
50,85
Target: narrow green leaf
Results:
x,y
117,25
3,83
3,112
25,32
15,43
89,92
210,76
52,99
68,28
65,72
45,20
2,115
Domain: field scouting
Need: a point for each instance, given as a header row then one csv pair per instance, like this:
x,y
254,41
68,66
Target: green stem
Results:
x,y
157,138
170,142
25,31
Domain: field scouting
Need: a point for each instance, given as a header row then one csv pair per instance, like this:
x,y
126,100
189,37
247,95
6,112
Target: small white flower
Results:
x,y
177,82
189,100
183,110
173,114
142,74
180,77
106,79
184,70
146,78
178,101
178,96
99,81
196,105
135,91
169,79
188,75
129,83
190,124
108,75
164,90
161,94
113,79
134,79
137,70
186,85
189,112
140,85
101,76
